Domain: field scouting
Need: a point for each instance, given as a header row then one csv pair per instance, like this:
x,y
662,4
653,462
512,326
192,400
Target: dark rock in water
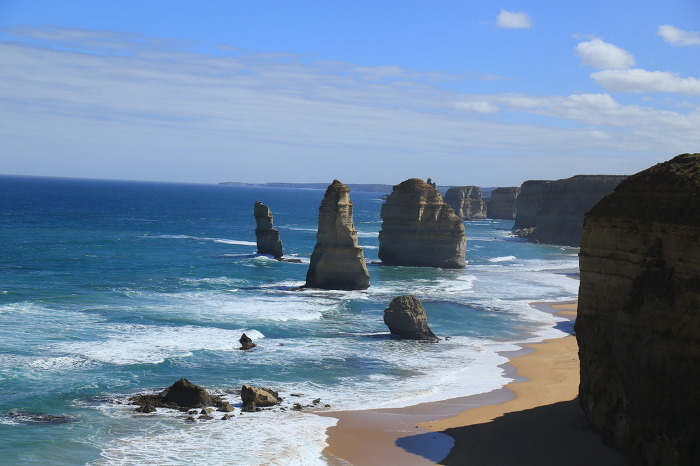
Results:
x,y
503,203
226,407
254,397
638,323
182,395
29,417
187,395
337,263
466,202
559,207
419,229
226,417
267,237
246,342
406,319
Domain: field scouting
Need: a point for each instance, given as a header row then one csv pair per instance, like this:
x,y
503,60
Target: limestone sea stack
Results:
x,y
406,318
502,203
267,237
337,262
561,205
638,324
466,202
419,229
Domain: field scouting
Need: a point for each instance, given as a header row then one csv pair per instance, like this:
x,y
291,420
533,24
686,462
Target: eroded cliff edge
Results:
x,y
638,325
466,202
337,262
420,229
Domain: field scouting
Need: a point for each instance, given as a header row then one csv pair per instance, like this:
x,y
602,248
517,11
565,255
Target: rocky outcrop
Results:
x,y
406,319
466,202
638,324
182,395
337,262
560,207
246,342
502,203
267,237
255,397
419,229
527,204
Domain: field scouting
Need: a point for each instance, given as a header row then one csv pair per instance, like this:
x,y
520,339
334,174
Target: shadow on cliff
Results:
x,y
555,434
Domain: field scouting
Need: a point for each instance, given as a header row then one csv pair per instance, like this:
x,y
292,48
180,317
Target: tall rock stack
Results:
x,y
419,229
337,262
267,237
502,204
638,324
466,202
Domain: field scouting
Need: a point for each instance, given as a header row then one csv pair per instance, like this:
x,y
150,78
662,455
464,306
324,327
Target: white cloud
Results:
x,y
477,107
640,81
513,20
602,55
674,36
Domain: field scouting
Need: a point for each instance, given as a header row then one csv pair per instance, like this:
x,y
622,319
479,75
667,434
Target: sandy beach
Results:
x,y
535,420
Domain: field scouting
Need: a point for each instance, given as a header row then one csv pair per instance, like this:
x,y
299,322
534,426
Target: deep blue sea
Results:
x,y
111,288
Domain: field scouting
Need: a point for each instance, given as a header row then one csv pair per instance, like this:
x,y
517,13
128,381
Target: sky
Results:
x,y
466,92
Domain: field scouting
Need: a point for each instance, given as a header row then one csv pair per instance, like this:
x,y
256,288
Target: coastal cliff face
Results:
x,y
561,205
466,202
638,324
527,203
502,204
267,237
419,229
337,262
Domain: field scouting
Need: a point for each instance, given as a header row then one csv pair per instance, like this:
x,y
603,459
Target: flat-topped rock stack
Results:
x,y
420,229
267,237
466,202
337,262
638,324
503,203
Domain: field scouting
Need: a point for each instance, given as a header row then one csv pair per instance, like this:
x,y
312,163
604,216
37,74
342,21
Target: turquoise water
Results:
x,y
108,289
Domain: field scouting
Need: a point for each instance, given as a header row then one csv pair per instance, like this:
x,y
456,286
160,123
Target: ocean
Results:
x,y
112,288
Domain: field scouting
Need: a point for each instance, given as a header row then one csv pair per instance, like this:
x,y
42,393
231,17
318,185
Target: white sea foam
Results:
x,y
199,238
502,259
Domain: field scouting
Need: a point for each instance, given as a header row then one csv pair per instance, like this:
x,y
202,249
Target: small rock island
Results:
x,y
267,237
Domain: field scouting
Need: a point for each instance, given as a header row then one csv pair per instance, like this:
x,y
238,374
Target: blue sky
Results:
x,y
466,92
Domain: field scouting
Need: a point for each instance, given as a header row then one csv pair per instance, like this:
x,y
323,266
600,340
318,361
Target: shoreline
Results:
x,y
488,428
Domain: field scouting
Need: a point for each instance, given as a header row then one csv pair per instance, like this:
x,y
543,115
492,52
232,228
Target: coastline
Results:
x,y
535,419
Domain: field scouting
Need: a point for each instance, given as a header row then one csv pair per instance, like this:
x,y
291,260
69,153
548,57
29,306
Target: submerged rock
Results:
x,y
406,318
419,229
30,417
638,323
466,202
267,237
337,262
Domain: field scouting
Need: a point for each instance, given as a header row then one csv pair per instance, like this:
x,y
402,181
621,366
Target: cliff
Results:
x,y
638,325
466,202
503,202
337,263
419,229
267,237
527,203
561,205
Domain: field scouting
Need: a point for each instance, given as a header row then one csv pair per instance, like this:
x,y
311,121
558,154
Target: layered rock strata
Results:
x,y
406,319
419,229
337,262
638,324
267,237
466,202
503,203
560,207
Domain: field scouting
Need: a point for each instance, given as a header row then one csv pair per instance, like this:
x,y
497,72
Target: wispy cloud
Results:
x,y
643,81
513,20
602,55
678,37
149,106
